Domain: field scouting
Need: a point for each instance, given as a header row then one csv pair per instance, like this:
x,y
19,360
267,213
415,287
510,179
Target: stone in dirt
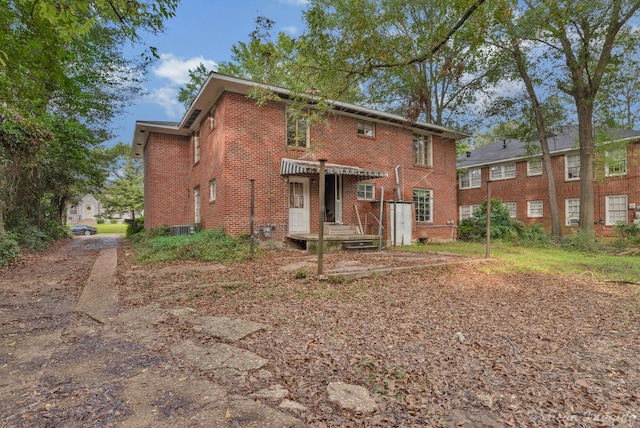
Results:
x,y
351,397
274,391
218,356
227,328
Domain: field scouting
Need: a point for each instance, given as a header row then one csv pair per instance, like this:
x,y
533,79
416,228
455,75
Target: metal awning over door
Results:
x,y
302,167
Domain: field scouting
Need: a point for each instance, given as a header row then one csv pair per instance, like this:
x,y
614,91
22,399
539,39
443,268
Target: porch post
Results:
x,y
321,217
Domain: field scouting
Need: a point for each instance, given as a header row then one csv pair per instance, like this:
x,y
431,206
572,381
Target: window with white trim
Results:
x,y
298,134
196,204
366,129
423,201
502,172
422,149
366,191
534,166
534,209
470,179
616,209
571,211
511,206
615,162
212,190
196,146
572,166
466,211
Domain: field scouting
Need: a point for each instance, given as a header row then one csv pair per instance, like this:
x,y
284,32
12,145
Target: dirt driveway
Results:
x,y
260,344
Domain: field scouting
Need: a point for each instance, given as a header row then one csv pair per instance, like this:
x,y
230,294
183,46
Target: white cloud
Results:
x,y
291,30
177,69
167,98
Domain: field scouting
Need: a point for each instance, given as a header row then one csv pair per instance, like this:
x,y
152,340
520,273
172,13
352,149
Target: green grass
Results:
x,y
547,260
112,228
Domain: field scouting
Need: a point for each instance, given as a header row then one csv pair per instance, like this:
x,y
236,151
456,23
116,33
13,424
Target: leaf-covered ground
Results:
x,y
441,346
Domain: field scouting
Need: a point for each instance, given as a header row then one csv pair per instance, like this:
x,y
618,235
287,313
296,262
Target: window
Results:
x,y
196,147
466,211
297,130
616,162
501,172
534,209
73,210
296,194
572,167
571,211
422,200
470,179
196,204
511,206
212,190
366,191
616,207
212,119
366,129
422,149
534,166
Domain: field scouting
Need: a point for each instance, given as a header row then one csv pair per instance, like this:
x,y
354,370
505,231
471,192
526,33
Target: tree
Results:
x,y
123,192
189,91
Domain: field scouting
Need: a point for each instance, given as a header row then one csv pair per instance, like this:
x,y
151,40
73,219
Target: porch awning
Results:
x,y
302,167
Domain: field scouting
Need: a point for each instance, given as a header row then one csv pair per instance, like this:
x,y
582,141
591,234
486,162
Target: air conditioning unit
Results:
x,y
574,222
188,229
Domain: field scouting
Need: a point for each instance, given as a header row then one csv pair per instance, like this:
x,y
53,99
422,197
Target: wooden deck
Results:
x,y
336,237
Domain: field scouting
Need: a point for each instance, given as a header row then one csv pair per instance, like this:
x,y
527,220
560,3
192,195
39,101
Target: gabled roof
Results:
x,y
218,83
502,151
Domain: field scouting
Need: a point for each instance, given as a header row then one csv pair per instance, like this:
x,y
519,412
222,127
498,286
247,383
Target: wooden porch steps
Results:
x,y
359,245
340,229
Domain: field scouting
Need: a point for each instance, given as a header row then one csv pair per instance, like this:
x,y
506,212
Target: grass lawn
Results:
x,y
112,228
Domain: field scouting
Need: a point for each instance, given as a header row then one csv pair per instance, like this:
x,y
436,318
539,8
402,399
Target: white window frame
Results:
x,y
466,211
618,205
615,162
571,211
212,190
512,207
366,191
472,179
366,129
422,149
502,172
572,166
196,204
196,147
295,138
537,167
535,209
423,204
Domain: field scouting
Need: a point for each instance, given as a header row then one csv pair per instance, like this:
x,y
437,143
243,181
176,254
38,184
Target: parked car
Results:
x,y
83,229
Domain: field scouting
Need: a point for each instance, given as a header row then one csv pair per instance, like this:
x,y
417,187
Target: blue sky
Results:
x,y
202,31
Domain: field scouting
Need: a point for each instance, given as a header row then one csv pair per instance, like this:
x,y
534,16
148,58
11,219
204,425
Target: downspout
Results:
x,y
398,194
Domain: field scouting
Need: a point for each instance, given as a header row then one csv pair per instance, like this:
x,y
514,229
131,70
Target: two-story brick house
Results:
x,y
200,170
516,173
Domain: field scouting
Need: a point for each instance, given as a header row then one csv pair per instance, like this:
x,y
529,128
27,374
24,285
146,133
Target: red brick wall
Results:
x,y
522,189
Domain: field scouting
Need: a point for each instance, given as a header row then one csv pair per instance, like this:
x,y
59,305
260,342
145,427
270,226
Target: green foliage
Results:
x,y
301,273
100,220
160,231
583,241
208,246
123,192
9,249
628,235
135,226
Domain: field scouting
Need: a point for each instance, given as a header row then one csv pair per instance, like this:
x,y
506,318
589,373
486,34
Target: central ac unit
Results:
x,y
188,229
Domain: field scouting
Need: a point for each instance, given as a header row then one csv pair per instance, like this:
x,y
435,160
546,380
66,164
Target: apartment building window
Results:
x,y
297,130
616,207
534,209
470,179
422,200
511,206
615,162
534,166
422,149
366,129
196,204
572,167
572,211
212,190
502,172
366,191
196,147
466,211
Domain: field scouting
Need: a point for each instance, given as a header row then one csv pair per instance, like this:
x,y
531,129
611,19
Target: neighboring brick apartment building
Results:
x,y
199,170
517,179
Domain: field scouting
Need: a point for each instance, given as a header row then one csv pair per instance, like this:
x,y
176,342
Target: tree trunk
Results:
x,y
587,148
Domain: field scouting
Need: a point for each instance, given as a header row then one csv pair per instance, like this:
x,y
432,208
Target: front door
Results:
x,y
299,210
333,198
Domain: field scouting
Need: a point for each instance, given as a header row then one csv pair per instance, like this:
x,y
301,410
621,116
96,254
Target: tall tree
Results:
x,y
123,193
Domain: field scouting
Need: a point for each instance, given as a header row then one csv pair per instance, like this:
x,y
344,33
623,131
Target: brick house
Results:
x,y
199,170
516,173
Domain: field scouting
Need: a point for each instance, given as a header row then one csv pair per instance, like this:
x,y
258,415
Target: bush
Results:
x,y
628,235
160,231
113,221
9,249
99,220
582,241
135,226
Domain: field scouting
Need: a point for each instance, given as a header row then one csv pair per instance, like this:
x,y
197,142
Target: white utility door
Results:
x,y
299,209
403,223
338,203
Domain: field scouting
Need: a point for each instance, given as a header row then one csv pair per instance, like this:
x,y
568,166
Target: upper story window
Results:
x,y
422,200
572,166
534,166
212,119
616,162
297,131
366,129
196,146
422,149
501,172
470,179
366,191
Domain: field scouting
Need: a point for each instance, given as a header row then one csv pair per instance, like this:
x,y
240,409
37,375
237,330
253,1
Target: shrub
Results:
x,y
113,221
628,235
99,220
581,240
9,249
135,226
160,231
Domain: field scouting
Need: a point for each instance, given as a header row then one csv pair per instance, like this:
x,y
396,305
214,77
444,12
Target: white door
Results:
x,y
401,227
338,204
299,212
